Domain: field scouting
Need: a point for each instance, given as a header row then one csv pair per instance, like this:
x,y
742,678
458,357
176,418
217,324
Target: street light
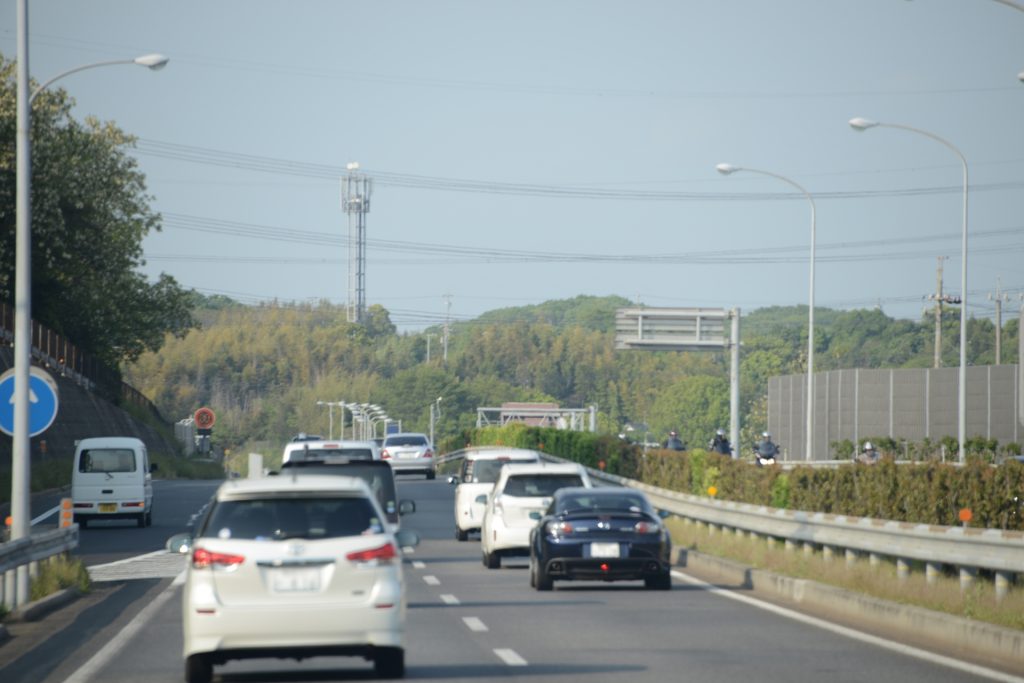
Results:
x,y
20,452
728,169
435,414
330,416
862,124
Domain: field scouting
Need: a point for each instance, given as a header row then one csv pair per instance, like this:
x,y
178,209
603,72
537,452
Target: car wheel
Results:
x,y
83,523
389,663
461,535
198,669
149,517
492,560
431,474
661,582
540,578
141,520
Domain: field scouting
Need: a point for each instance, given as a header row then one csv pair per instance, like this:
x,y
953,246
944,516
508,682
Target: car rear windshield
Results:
x,y
107,460
485,471
377,475
413,440
527,485
282,518
603,502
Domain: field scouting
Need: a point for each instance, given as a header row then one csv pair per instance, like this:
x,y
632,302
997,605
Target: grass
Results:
x,y
59,573
977,602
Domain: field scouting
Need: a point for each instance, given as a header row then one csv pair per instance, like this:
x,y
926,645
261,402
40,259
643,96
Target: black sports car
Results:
x,y
603,534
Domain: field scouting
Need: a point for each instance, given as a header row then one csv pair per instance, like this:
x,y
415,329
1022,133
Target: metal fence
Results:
x,y
907,404
30,551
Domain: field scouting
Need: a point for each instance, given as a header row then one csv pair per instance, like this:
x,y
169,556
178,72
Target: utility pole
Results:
x,y
429,336
355,200
939,298
999,297
447,319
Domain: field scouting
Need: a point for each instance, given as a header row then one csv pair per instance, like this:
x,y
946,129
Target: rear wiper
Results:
x,y
284,536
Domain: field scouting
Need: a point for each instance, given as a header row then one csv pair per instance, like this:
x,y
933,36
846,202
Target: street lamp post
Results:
x,y
435,413
330,416
728,169
862,124
20,451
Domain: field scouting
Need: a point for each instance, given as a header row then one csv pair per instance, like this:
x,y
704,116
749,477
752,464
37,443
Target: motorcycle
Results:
x,y
763,459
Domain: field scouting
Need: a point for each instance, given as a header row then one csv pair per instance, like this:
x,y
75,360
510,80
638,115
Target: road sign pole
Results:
x,y
734,385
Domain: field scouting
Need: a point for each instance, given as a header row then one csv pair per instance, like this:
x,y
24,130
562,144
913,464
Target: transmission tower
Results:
x,y
355,200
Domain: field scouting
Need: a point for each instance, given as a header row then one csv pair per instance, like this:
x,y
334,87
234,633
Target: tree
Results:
x,y
90,213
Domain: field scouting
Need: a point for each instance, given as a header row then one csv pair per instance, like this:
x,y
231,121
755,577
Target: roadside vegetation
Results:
x,y
59,573
977,602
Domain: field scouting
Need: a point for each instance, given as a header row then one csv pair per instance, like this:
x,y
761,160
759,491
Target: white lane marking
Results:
x,y
46,514
419,564
474,624
431,580
120,640
449,599
129,559
510,657
972,669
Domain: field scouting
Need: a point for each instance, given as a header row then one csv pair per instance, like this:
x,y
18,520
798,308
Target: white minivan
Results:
x,y
111,479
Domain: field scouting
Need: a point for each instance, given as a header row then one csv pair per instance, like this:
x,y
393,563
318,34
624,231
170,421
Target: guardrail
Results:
x,y
968,550
31,551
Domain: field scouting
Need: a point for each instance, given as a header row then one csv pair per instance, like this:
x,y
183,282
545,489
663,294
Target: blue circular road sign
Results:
x,y
42,402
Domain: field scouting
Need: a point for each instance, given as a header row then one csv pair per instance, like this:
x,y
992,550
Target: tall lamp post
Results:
x,y
862,124
728,169
330,415
435,414
20,452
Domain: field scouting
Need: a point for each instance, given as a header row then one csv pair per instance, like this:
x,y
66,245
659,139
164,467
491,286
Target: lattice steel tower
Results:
x,y
355,200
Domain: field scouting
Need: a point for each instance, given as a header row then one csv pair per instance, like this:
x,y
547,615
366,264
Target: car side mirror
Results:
x,y
180,544
664,514
406,507
407,539
482,499
453,480
154,467
535,515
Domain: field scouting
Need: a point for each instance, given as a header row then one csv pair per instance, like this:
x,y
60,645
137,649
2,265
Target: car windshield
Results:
x,y
603,502
283,518
107,460
411,440
535,485
485,471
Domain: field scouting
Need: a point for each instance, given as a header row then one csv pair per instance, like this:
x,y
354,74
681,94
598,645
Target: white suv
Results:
x,y
293,566
520,491
480,469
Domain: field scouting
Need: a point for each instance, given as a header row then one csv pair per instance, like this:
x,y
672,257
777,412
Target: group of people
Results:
x,y
719,444
764,450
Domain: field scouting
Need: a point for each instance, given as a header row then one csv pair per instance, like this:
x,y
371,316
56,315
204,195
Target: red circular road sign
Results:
x,y
204,418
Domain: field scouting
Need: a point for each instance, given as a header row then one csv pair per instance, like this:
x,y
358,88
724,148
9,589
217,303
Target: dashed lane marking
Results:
x,y
432,580
510,657
419,564
449,599
474,624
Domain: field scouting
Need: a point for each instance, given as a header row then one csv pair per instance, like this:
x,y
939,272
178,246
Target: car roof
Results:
x,y
113,441
292,483
540,468
497,452
599,491
391,436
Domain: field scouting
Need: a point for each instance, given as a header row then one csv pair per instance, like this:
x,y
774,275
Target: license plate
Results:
x,y
295,581
108,507
604,549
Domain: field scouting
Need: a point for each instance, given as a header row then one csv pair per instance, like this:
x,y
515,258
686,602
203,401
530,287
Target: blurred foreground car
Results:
x,y
480,469
603,534
293,566
520,491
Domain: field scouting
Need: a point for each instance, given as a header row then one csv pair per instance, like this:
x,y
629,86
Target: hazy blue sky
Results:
x,y
527,151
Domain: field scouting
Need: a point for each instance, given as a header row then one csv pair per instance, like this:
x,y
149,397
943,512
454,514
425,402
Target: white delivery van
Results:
x,y
111,479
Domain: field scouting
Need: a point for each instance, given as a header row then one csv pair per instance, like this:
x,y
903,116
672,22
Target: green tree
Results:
x,y
90,213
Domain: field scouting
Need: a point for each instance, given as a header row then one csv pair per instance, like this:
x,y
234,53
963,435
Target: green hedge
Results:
x,y
925,493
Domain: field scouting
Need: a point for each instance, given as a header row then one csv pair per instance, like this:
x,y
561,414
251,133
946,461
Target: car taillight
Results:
x,y
384,455
427,454
383,554
203,558
558,528
647,528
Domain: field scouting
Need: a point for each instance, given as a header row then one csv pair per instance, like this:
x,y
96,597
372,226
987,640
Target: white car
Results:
x,y
409,452
480,469
520,491
293,566
330,450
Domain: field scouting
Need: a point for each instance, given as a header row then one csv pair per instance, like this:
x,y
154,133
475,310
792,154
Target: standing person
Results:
x,y
673,442
720,444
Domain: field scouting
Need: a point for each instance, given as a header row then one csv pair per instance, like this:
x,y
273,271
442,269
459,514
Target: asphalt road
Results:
x,y
465,623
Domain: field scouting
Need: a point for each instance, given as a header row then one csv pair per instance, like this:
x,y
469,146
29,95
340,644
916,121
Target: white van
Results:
x,y
111,479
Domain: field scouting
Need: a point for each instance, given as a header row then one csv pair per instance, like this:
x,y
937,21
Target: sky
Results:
x,y
527,151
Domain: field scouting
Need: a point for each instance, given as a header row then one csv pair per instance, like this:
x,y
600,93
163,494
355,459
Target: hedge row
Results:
x,y
928,493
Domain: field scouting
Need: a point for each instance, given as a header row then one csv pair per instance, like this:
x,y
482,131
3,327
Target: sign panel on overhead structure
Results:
x,y
672,329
